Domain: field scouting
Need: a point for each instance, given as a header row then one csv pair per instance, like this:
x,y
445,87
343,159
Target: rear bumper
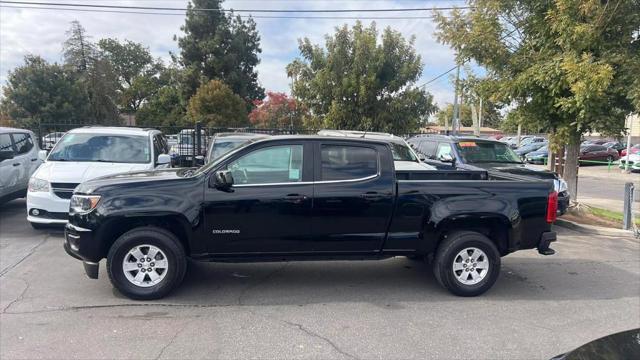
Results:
x,y
563,202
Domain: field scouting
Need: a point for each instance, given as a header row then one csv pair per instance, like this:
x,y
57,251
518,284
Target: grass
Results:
x,y
610,215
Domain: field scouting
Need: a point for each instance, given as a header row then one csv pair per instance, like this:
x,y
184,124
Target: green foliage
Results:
x,y
165,108
78,51
215,105
137,71
220,46
567,66
39,92
445,115
358,83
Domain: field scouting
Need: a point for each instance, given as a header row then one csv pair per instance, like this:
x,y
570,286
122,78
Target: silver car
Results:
x,y
18,160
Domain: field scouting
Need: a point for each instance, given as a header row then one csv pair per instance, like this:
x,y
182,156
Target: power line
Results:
x,y
123,7
243,16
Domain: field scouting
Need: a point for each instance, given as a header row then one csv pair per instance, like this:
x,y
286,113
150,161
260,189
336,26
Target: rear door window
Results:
x,y
443,149
340,162
23,143
427,148
5,143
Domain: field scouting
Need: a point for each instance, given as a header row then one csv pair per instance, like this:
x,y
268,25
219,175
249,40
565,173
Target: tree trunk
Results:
x,y
571,167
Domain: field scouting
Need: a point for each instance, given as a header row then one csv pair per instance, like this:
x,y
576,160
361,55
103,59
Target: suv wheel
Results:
x,y
467,263
146,263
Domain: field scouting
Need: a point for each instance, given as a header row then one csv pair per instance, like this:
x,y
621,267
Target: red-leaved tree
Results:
x,y
277,111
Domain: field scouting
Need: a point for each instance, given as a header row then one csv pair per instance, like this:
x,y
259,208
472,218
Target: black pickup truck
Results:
x,y
305,198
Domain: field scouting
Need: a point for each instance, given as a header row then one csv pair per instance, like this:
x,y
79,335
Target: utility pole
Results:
x,y
455,120
480,115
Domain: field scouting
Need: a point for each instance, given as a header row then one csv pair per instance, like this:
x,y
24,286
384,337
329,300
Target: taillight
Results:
x,y
552,207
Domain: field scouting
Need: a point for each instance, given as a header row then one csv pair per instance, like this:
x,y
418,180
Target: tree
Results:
x,y
278,111
167,106
217,106
358,83
220,46
41,93
445,115
566,66
94,75
137,71
78,50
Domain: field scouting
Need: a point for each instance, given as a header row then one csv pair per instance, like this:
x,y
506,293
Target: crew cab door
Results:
x,y
268,208
353,196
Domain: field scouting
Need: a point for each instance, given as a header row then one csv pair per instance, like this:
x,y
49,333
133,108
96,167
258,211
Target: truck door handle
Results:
x,y
36,159
371,195
16,164
295,198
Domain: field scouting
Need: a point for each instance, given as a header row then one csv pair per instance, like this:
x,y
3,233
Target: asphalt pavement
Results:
x,y
392,309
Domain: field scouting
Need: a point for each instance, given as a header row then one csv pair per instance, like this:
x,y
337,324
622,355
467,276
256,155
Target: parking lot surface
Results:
x,y
391,309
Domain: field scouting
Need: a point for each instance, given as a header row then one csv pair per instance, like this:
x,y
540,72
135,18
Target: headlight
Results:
x,y
38,185
82,204
560,185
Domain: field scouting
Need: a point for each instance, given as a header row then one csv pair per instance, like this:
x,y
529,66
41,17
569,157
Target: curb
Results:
x,y
595,230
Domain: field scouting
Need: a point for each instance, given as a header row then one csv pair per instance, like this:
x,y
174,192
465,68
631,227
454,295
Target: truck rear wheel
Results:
x,y
146,263
467,263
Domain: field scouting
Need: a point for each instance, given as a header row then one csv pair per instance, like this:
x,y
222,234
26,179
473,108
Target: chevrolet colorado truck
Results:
x,y
289,198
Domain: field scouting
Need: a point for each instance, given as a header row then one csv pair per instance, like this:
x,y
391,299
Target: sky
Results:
x,y
42,32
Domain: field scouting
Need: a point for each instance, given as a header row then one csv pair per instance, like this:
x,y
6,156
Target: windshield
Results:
x,y
102,148
485,152
221,147
402,152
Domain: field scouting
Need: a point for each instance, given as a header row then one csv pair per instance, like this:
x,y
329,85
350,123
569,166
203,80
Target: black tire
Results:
x,y
448,250
163,240
609,158
38,226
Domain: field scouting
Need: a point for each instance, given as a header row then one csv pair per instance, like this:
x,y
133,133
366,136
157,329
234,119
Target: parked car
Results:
x,y
635,149
633,159
18,160
84,154
50,140
470,153
182,153
540,156
404,157
615,145
597,153
223,143
594,142
533,146
304,198
531,140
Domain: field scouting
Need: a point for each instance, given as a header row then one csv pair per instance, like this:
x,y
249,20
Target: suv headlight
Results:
x,y
82,204
560,186
38,185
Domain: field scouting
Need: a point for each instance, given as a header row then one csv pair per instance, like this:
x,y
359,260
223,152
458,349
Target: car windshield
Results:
x,y
486,152
102,148
402,152
221,147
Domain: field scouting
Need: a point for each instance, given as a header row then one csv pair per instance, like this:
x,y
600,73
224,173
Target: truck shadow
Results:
x,y
395,281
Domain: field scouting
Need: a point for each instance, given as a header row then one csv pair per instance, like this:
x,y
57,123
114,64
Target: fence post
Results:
x,y
197,143
627,217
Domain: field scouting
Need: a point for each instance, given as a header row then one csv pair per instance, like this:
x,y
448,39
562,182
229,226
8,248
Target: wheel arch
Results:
x,y
176,224
495,227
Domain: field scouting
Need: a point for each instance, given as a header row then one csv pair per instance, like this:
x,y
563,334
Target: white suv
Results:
x,y
86,153
18,160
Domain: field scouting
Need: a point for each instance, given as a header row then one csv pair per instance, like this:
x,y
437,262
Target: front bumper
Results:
x,y
52,209
79,244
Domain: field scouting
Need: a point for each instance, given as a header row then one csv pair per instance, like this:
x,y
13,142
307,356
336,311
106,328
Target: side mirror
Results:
x,y
163,159
221,180
446,158
42,155
6,155
421,157
199,160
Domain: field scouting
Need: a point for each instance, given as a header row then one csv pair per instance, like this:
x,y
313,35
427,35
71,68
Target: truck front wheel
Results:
x,y
467,263
146,263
